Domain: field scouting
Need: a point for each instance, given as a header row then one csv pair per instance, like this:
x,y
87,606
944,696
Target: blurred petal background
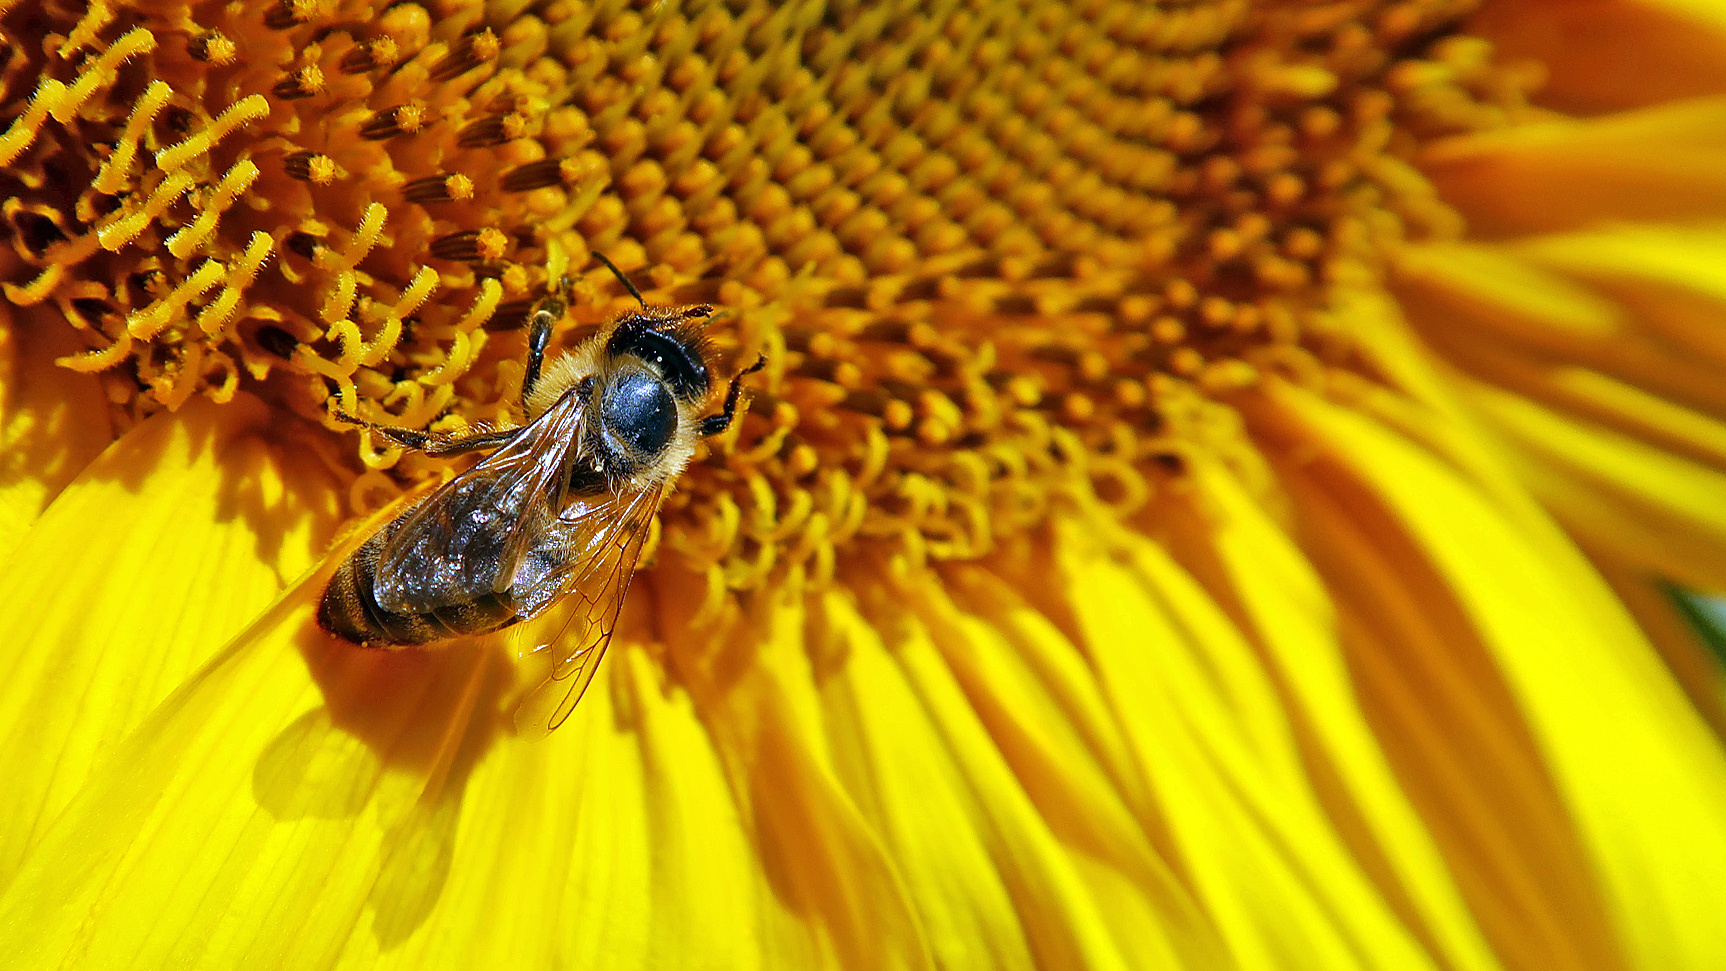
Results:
x,y
1236,484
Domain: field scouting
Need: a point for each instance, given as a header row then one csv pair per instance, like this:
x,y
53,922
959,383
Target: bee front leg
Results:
x,y
714,424
433,444
538,336
545,317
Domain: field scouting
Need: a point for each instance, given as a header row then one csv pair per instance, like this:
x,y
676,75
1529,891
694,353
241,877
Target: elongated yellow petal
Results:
x,y
615,843
1668,282
1672,633
152,558
1635,767
1654,510
373,804
1505,318
52,424
755,687
1657,164
1031,687
1679,49
1602,377
972,865
1291,617
1210,734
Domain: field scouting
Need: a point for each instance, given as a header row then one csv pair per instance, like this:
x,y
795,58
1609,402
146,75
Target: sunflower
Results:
x,y
1214,499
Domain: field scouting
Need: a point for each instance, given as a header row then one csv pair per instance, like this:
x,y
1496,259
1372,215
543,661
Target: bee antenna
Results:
x,y
621,278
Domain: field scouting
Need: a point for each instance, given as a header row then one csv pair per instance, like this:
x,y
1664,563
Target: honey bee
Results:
x,y
560,506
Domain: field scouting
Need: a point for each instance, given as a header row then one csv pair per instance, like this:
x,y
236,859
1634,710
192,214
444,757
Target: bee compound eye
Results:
x,y
638,410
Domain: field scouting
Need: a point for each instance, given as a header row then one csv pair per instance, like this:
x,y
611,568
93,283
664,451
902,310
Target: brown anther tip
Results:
x,y
922,336
286,14
467,54
488,132
821,344
438,188
370,55
1224,244
304,83
533,175
213,47
462,247
411,116
847,375
1216,312
390,122
1246,319
492,244
310,167
1130,393
1024,391
1093,366
486,45
304,244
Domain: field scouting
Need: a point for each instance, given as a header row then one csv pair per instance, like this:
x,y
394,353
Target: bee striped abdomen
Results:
x,y
350,609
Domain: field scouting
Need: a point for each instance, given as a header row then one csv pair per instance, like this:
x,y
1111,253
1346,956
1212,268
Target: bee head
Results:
x,y
670,342
659,370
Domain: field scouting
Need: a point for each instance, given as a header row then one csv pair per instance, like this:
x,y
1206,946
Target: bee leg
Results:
x,y
714,424
435,444
539,335
537,338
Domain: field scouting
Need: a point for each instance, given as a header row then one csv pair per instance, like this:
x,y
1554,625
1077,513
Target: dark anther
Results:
x,y
533,175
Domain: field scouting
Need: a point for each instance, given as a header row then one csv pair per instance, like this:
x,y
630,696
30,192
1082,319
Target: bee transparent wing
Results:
x,y
598,544
466,540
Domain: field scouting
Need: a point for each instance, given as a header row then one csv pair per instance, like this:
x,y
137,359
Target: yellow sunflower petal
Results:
x,y
1673,634
1637,770
1290,615
1505,318
1668,282
754,685
986,878
1655,510
1661,163
1603,378
1222,759
1679,49
52,423
158,553
373,806
1031,688
239,795
615,844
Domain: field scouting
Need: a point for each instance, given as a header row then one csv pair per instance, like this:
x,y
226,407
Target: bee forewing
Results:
x,y
467,540
597,545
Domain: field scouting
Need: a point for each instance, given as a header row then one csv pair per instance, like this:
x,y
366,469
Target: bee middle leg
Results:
x,y
433,444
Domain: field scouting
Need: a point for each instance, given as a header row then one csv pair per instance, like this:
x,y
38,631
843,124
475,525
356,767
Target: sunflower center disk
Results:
x,y
996,261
